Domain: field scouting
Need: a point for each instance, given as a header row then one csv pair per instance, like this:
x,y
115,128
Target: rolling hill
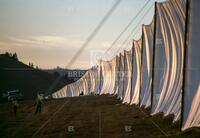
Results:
x,y
17,75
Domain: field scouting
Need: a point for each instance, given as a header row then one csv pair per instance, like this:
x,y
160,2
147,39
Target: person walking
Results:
x,y
38,104
15,106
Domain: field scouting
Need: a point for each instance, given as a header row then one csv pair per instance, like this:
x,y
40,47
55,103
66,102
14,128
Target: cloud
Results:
x,y
47,41
6,44
47,50
63,42
21,40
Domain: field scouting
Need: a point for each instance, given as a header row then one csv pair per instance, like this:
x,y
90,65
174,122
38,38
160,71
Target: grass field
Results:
x,y
86,117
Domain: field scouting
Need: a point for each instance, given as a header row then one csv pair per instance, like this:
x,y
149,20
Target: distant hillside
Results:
x,y
17,75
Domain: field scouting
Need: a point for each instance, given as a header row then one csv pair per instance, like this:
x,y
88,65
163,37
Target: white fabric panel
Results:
x,y
135,92
74,88
64,92
92,81
70,87
100,78
94,78
60,93
85,82
89,82
127,75
113,74
69,91
116,76
108,76
85,86
54,95
121,76
170,28
80,85
147,58
97,79
191,110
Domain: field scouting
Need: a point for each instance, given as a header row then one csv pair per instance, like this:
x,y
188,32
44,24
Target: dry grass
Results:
x,y
91,116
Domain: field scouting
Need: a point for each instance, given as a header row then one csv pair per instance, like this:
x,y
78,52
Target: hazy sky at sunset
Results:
x,y
49,32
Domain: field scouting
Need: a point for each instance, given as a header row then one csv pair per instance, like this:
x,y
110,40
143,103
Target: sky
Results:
x,y
49,32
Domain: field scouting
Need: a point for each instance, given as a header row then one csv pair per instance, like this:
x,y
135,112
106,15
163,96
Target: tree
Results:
x,y
10,54
58,67
14,56
7,54
31,65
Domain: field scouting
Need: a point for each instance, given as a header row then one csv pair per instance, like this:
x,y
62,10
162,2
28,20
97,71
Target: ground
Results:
x,y
86,117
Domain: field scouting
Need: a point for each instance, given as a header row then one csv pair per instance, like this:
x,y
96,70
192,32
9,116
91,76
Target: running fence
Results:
x,y
161,70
